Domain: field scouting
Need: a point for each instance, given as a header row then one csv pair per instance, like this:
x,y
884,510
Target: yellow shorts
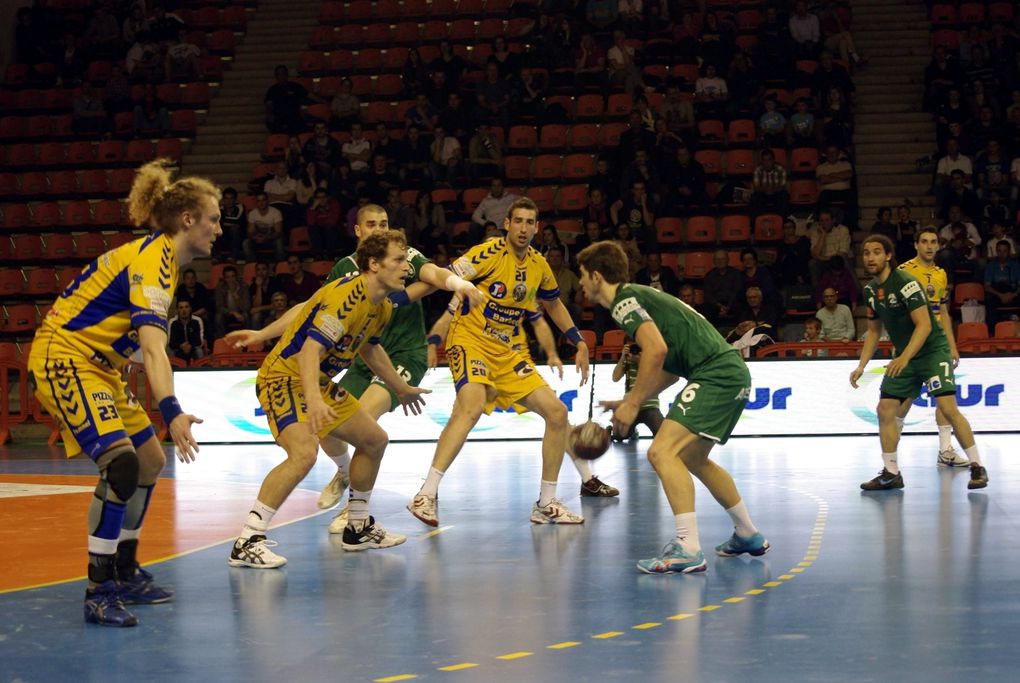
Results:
x,y
91,404
512,374
283,401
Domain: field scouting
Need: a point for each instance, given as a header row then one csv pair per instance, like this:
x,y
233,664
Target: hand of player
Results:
x,y
624,414
411,399
240,338
318,415
180,434
895,367
854,376
432,356
556,364
956,358
474,297
581,362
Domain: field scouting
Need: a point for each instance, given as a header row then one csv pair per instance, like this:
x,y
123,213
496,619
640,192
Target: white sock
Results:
x,y
972,454
342,462
583,468
687,532
258,520
742,523
431,485
357,508
547,493
890,463
945,437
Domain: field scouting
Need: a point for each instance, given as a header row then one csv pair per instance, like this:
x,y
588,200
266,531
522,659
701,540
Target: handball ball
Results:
x,y
589,440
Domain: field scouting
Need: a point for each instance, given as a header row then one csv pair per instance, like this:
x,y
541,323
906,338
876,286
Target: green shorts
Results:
x,y
934,372
411,365
713,399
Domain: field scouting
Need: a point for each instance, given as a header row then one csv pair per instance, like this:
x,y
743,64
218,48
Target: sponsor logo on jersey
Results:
x,y
930,291
497,290
502,315
158,298
912,287
520,291
465,268
628,305
523,369
331,327
892,300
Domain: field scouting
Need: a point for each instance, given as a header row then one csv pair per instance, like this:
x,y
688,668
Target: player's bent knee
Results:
x,y
121,471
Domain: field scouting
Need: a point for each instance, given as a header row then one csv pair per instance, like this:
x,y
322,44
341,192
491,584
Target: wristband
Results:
x,y
574,336
435,339
456,283
169,408
400,298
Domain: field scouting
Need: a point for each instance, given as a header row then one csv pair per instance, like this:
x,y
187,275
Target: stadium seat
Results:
x,y
58,247
110,152
742,131
389,85
668,230
804,160
710,159
739,162
968,290
569,229
26,247
972,13
971,332
52,154
543,196
12,282
81,153
686,72
120,181
1007,329
90,244
320,268
221,42
299,241
947,38
171,148
1000,12
711,131
33,183
942,15
578,166
106,213
16,216
619,105
572,198
590,107
803,192
138,151
120,239
611,132
701,230
196,95
19,318
612,344
768,228
63,183
697,263
584,136
45,215
516,167
490,28
735,229
553,137
9,184
547,167
77,214
183,122
521,138
41,281
94,182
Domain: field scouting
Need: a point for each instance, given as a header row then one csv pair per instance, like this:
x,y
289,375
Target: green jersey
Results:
x,y
406,330
691,341
892,302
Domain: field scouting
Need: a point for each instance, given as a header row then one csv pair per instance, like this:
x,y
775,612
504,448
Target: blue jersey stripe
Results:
x,y
108,303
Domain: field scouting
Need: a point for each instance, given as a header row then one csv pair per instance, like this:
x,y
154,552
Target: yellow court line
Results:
x,y
647,625
709,608
394,679
458,667
786,577
515,655
434,532
734,600
564,645
680,617
607,634
772,584
797,570
755,591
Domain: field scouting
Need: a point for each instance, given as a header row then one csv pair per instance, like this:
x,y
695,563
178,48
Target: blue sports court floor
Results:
x,y
918,585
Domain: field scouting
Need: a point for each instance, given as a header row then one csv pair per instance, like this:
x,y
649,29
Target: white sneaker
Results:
x,y
254,552
554,513
334,490
951,458
371,535
425,508
339,522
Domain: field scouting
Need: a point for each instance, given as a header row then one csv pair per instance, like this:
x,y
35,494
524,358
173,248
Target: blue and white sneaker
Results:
x,y
756,545
139,589
104,606
674,560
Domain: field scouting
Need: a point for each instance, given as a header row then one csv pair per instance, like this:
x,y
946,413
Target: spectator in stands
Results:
x,y
602,14
637,210
233,223
772,125
298,284
723,286
71,63
961,241
415,168
999,235
393,149
802,125
994,210
630,14
485,154
992,172
281,190
648,117
834,175
606,177
940,76
232,303
968,40
551,239
757,275
322,150
837,120
438,90
357,151
447,157
507,62
981,71
260,292
687,181
491,231
710,94
196,294
745,86
265,230
805,30
422,114
828,75
345,107
144,61
307,183
186,335
624,237
531,99
982,130
294,157
134,24
792,257
379,180
278,307
283,102
454,118
828,239
951,109
164,25
634,138
906,228
117,92
429,223
493,95
102,35
952,161
589,63
758,312
658,276
959,195
622,65
717,41
151,116
29,39
678,112
414,74
450,63
883,224
812,330
1002,282
566,280
689,296
598,208
641,170
181,63
89,117
837,37
325,227
666,144
593,232
769,188
840,278
401,216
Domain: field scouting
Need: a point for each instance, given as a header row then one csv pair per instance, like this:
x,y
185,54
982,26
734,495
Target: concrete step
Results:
x,y
861,117
866,149
882,183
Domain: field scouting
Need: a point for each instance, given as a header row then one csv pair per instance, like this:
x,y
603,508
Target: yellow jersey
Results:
x,y
934,281
341,317
512,287
99,313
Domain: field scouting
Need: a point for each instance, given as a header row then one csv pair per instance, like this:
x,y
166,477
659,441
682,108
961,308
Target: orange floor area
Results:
x,y
48,536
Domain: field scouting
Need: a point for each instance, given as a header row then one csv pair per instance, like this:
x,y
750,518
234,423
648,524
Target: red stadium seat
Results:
x,y
768,228
138,151
584,136
543,196
120,181
611,133
81,153
12,282
26,247
803,192
697,263
46,215
90,244
578,166
170,148
590,106
701,230
516,167
107,213
735,229
9,184
804,159
63,183
572,198
77,214
521,138
58,247
19,318
668,230
472,197
16,217
711,131
619,105
739,162
94,182
971,332
710,159
553,137
33,183
742,131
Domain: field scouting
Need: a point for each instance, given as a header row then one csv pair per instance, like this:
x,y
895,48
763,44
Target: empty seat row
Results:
x,y
107,152
69,215
336,12
945,14
58,184
61,246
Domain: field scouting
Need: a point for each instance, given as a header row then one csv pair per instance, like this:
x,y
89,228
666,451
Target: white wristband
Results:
x,y
456,283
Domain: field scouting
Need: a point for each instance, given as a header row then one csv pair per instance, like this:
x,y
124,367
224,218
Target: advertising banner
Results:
x,y
788,398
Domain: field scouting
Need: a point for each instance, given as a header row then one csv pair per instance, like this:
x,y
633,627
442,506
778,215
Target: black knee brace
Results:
x,y
121,471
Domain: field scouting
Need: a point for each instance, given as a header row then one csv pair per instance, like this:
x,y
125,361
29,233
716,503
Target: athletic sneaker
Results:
x,y
736,545
884,481
334,491
254,552
339,522
596,488
978,476
104,606
139,589
371,535
951,458
674,560
425,508
554,513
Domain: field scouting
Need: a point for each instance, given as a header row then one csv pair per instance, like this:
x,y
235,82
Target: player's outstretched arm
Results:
x,y
161,380
544,335
922,328
441,278
378,361
561,316
239,338
416,291
871,338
